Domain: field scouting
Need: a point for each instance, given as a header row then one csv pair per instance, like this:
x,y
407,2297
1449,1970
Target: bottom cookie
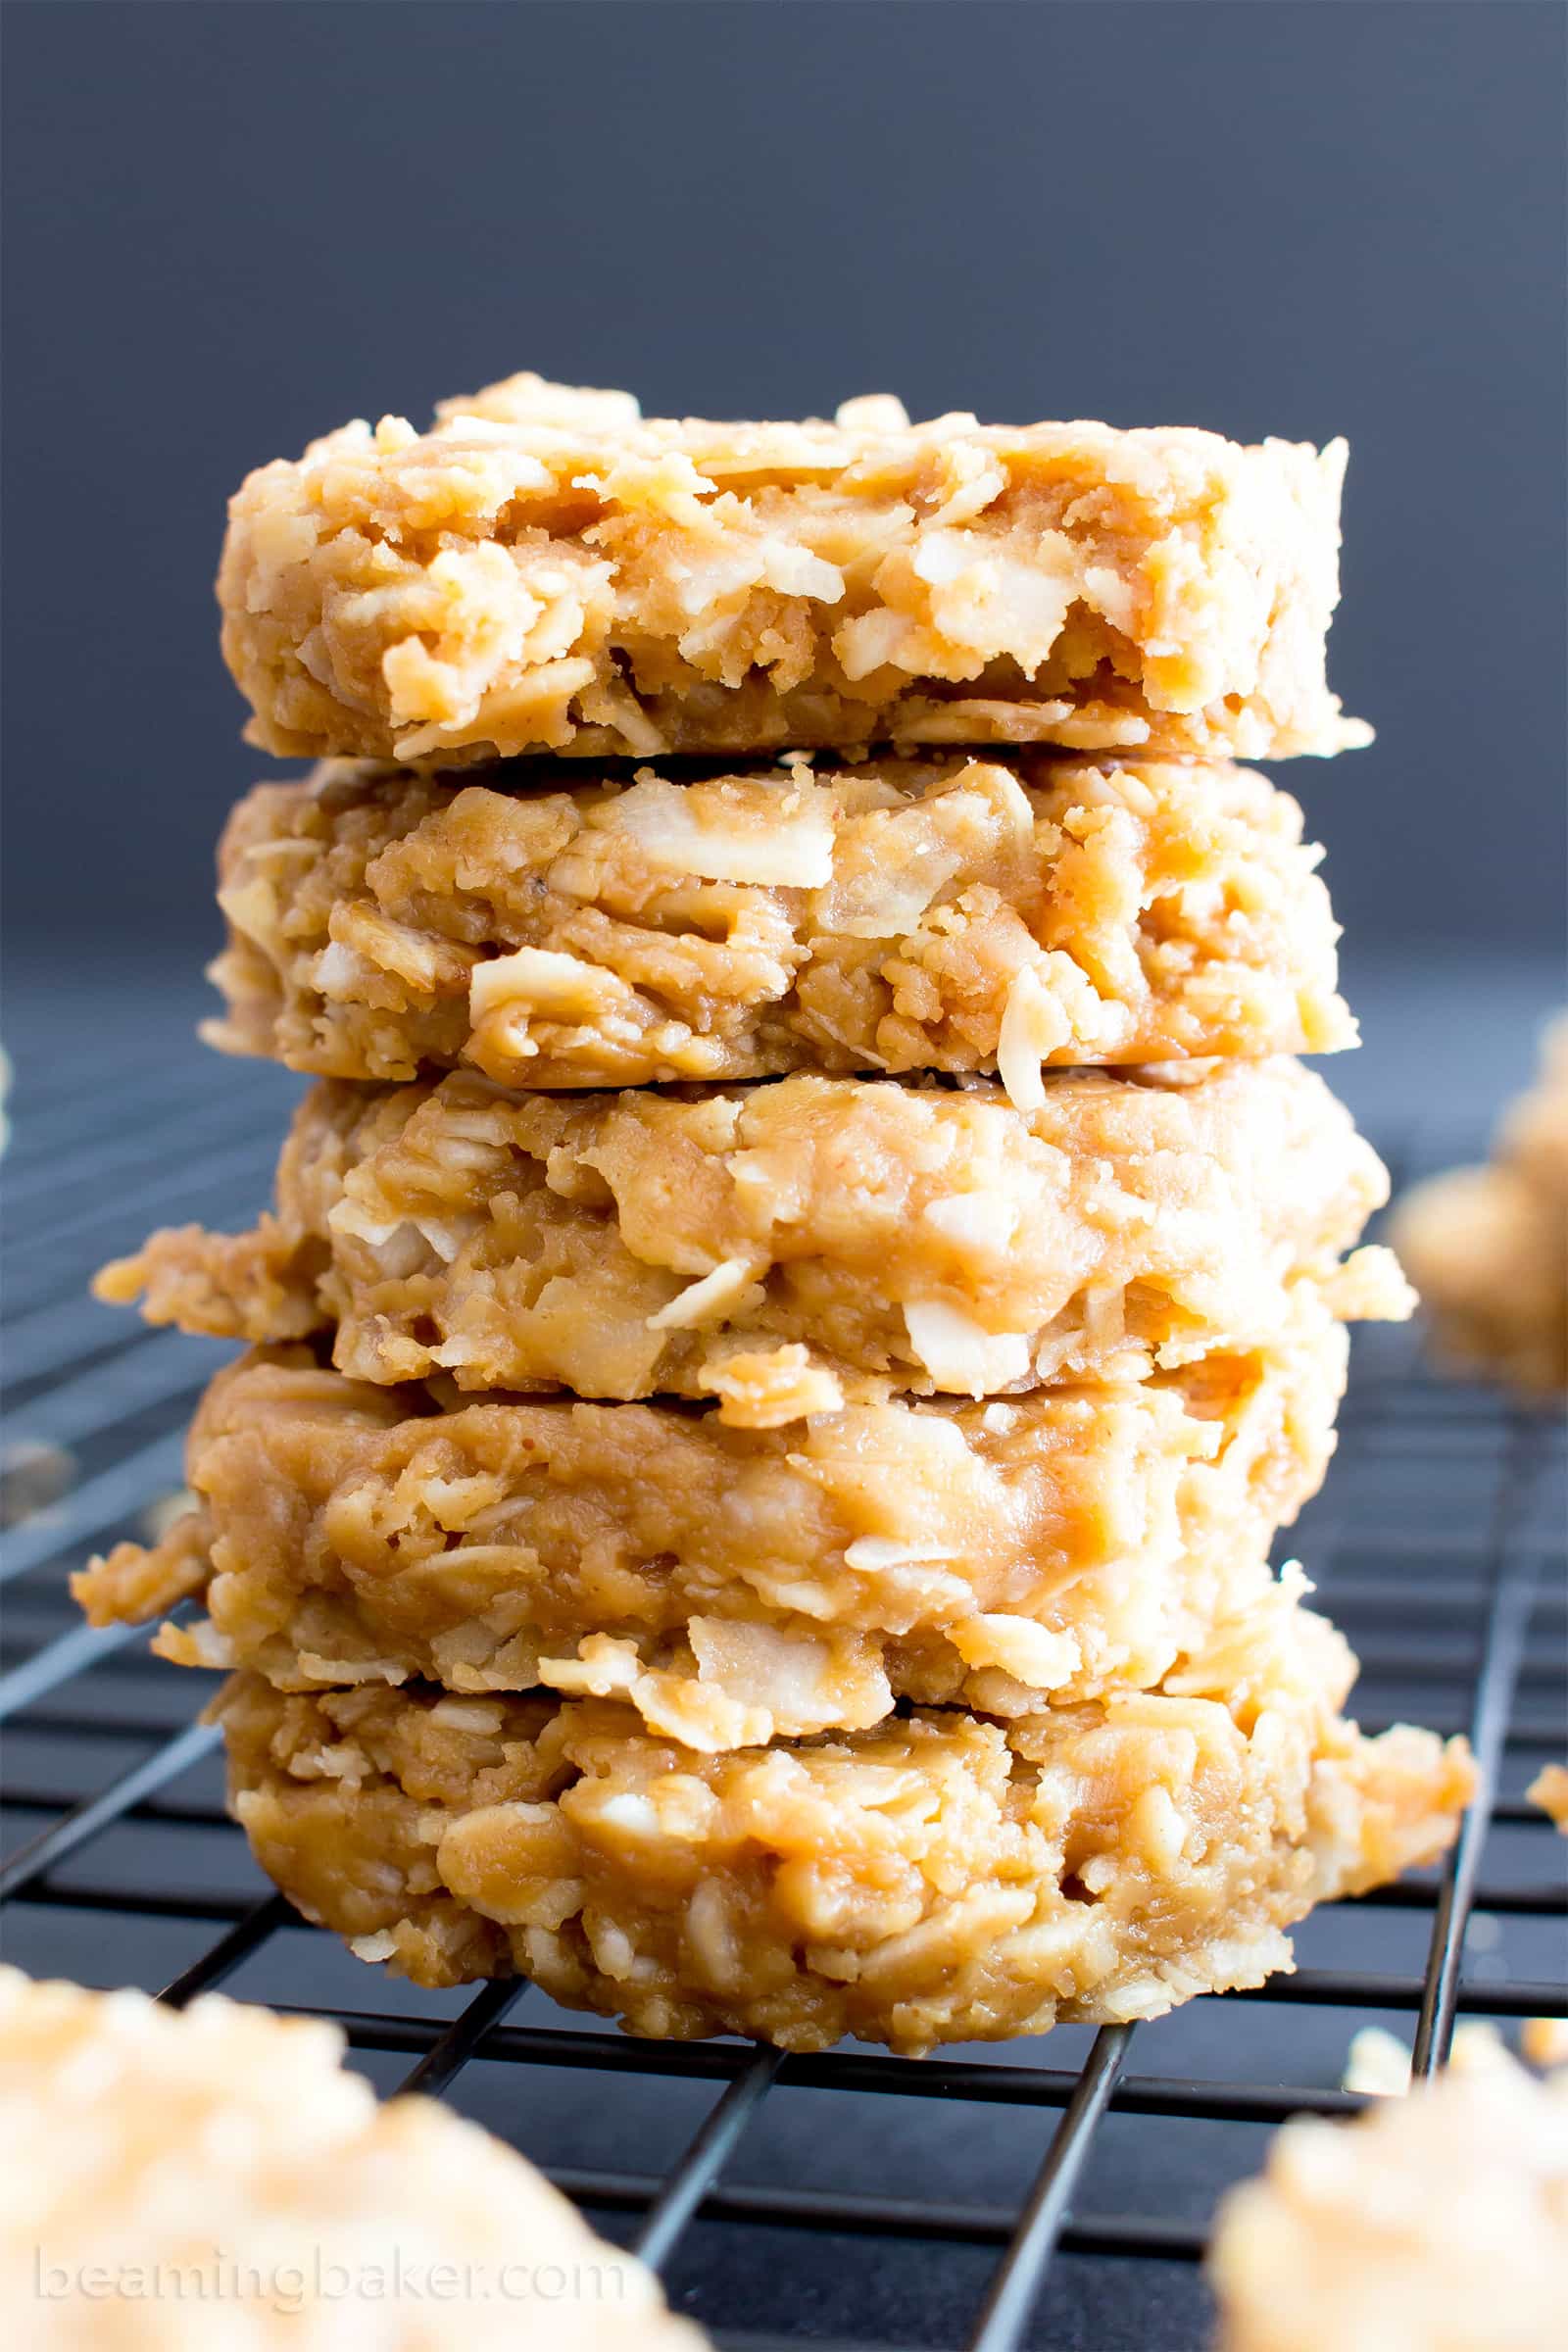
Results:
x,y
940,1877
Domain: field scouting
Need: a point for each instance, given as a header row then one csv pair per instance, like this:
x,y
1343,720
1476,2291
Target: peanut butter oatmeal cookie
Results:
x,y
1436,2223
214,2180
1549,1791
1489,1245
941,1878
732,1583
545,569
786,1247
943,913
1490,1258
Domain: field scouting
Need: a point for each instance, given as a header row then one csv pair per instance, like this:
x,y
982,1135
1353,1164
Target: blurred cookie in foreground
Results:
x,y
1488,1248
545,569
1436,2223
557,928
940,1877
214,2180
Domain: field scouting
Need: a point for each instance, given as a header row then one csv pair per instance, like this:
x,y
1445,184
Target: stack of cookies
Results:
x,y
811,1276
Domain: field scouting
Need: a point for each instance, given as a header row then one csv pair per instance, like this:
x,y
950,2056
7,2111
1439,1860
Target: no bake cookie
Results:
x,y
1436,2223
545,569
215,2181
786,1247
730,1584
948,913
941,1878
1488,1246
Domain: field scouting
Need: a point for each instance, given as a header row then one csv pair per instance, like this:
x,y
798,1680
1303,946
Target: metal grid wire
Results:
x,y
1438,1545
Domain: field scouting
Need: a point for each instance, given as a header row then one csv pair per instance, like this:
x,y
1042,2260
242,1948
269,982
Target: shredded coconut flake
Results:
x,y
869,1555
540,980
976,1220
873,413
1031,1654
379,1946
681,829
961,1355
1033,1026
707,1299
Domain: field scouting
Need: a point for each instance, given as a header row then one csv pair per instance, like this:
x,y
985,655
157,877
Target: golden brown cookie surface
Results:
x,y
946,913
785,1248
733,1582
545,569
941,1878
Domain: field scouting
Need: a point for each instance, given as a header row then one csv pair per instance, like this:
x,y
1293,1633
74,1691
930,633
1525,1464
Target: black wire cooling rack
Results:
x,y
1054,2192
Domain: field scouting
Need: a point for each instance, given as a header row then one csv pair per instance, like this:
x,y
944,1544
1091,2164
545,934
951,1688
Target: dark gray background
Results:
x,y
231,227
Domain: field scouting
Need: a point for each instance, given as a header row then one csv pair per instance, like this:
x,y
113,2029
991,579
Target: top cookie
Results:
x,y
546,568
